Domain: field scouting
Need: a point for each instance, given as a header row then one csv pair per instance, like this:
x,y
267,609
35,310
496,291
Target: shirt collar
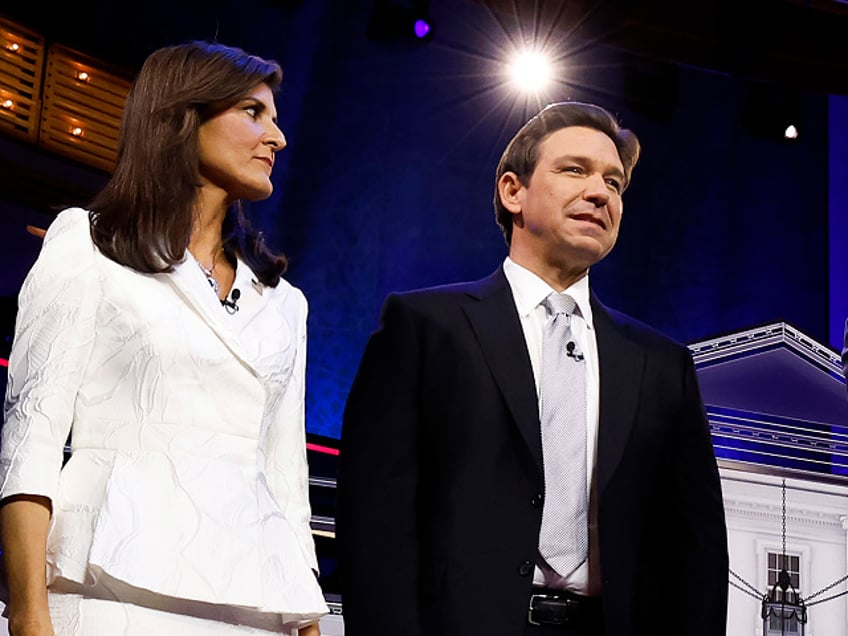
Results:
x,y
529,290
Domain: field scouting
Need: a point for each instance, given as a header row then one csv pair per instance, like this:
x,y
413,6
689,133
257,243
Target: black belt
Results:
x,y
559,608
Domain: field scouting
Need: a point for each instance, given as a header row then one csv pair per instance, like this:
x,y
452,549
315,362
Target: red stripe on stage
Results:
x,y
322,449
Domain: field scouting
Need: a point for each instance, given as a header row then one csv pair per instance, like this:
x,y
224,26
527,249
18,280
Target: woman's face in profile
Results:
x,y
236,147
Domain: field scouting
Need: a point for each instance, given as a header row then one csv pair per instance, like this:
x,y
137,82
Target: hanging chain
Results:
x,y
750,591
783,487
827,598
807,600
825,589
744,591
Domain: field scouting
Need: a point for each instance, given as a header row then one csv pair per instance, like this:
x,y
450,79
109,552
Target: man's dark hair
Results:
x,y
522,153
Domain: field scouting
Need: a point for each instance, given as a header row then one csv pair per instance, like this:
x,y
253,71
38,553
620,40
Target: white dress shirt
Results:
x,y
528,292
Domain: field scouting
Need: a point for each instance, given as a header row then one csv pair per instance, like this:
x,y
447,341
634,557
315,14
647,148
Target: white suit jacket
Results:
x,y
188,473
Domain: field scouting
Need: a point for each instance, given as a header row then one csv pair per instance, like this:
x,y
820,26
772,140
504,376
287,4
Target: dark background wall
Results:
x,y
387,180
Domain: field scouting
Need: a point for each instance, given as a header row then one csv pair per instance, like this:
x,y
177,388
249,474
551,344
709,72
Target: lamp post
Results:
x,y
783,611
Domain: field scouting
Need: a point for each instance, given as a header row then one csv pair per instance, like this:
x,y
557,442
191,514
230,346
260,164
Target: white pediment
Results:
x,y
775,397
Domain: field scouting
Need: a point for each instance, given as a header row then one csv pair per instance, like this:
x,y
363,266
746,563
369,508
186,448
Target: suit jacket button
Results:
x,y
525,568
537,500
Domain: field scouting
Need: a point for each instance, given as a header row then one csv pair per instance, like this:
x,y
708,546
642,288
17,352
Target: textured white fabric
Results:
x,y
564,536
188,473
77,615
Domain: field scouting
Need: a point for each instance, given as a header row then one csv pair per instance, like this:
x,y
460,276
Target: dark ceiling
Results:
x,y
789,43
795,44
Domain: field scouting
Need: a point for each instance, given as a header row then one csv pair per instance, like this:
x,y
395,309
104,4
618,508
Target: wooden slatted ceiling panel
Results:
x,y
21,67
82,106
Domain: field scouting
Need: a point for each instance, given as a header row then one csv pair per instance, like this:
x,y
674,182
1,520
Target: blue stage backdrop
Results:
x,y
387,181
390,188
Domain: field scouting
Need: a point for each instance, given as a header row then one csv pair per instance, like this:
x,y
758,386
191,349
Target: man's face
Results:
x,y
567,216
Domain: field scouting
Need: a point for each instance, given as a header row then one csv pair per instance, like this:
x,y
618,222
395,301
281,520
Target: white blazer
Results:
x,y
188,474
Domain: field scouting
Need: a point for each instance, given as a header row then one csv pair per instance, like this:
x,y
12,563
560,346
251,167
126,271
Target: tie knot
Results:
x,y
559,304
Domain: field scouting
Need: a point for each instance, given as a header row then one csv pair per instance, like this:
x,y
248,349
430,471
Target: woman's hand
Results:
x,y
310,630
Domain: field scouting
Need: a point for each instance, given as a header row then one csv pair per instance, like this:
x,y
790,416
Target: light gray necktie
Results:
x,y
564,538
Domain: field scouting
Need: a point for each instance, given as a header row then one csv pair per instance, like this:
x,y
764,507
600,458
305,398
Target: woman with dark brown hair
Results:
x,y
156,332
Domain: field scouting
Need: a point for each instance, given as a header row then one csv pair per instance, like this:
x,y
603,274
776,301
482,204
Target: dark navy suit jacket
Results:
x,y
441,479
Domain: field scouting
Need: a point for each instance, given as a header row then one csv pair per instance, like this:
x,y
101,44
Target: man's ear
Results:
x,y
509,190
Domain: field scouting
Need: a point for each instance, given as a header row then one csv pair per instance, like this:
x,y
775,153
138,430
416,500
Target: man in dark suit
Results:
x,y
446,477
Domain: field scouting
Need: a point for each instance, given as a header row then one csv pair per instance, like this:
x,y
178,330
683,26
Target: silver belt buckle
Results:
x,y
533,597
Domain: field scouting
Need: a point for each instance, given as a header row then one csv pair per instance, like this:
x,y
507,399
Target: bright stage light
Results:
x,y
530,71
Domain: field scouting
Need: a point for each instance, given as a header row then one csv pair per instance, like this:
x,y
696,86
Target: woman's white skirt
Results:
x,y
98,614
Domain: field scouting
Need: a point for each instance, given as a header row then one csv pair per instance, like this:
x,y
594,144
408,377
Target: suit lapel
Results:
x,y
496,325
621,364
190,284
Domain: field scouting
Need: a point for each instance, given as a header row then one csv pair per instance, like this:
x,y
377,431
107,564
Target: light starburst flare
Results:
x,y
530,71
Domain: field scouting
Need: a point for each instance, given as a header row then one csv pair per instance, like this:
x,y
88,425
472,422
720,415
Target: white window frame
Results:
x,y
775,545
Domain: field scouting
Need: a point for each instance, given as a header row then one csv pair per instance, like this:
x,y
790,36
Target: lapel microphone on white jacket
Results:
x,y
230,305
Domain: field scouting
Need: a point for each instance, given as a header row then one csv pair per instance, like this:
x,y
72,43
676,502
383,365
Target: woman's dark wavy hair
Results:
x,y
522,153
144,216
